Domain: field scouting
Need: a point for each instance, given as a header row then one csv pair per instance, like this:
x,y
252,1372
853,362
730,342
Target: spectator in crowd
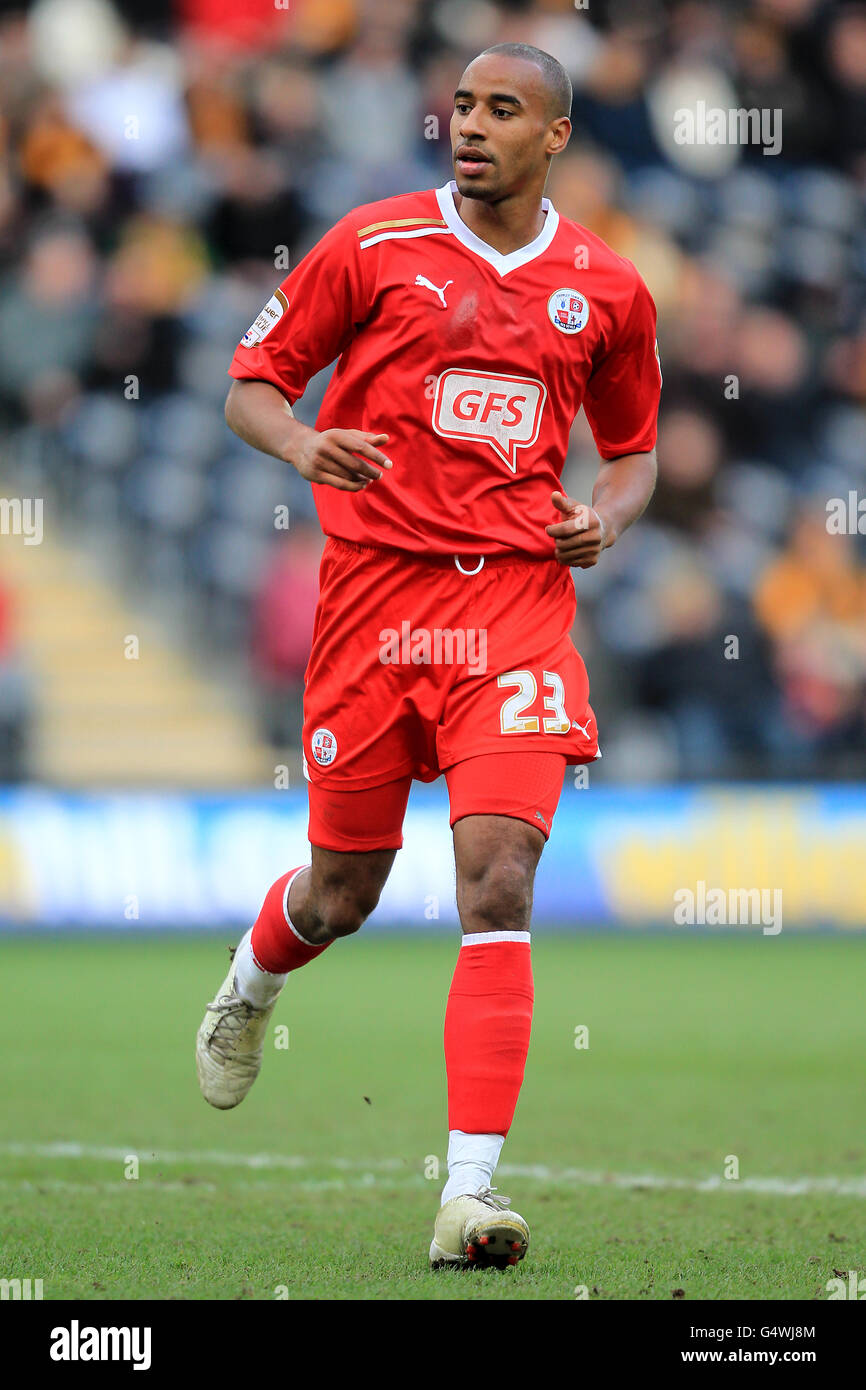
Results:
x,y
283,631
15,698
811,602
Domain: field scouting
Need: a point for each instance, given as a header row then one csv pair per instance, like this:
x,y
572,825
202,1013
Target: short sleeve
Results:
x,y
622,394
309,319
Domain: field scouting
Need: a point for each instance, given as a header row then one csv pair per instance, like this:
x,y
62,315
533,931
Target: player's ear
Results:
x,y
559,134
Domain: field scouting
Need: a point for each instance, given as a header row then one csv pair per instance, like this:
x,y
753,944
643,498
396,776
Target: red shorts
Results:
x,y
417,667
525,786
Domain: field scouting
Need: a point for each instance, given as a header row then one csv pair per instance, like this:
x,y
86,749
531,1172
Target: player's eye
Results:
x,y
502,111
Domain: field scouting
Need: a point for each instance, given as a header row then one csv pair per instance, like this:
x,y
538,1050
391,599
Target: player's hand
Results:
x,y
580,536
345,459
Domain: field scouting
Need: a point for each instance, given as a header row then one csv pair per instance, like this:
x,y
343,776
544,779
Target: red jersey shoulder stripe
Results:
x,y
401,222
400,230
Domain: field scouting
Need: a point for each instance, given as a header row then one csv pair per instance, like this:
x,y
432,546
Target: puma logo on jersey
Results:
x,y
583,729
427,285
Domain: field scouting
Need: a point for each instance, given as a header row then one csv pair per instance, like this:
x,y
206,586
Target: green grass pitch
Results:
x,y
701,1047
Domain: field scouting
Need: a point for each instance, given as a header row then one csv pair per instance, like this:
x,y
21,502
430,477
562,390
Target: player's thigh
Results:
x,y
496,858
502,806
355,836
370,713
523,785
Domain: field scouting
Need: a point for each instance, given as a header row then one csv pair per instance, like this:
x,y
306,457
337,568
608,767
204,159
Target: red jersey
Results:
x,y
474,363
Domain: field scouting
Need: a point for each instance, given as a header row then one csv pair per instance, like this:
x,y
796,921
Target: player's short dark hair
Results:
x,y
556,79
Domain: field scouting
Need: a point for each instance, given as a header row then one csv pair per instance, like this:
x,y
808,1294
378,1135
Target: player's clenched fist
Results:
x,y
344,459
580,536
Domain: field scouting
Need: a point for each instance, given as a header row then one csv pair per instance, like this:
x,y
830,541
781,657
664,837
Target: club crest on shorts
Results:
x,y
324,746
568,310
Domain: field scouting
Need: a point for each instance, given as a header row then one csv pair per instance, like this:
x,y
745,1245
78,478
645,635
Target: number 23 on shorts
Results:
x,y
512,716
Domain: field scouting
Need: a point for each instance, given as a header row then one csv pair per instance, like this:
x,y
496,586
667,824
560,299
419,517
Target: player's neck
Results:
x,y
507,225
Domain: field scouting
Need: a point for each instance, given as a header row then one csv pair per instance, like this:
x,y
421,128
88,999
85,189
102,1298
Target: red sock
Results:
x,y
275,943
487,1025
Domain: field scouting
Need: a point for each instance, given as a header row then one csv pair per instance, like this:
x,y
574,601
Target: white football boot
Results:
x,y
474,1232
230,1044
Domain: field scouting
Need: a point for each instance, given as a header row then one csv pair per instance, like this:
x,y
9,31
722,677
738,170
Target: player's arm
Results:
x,y
622,491
262,417
621,404
308,322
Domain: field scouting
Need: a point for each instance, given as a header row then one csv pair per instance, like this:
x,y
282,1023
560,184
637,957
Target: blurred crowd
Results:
x,y
159,160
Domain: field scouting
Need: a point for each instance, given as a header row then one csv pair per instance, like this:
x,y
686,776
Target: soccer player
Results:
x,y
471,322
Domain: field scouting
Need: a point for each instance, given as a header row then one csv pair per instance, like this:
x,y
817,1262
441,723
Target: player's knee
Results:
x,y
342,919
342,911
498,897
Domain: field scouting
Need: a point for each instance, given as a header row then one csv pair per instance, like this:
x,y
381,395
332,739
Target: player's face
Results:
x,y
501,129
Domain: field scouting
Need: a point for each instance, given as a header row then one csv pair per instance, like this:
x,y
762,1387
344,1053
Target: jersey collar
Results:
x,y
501,263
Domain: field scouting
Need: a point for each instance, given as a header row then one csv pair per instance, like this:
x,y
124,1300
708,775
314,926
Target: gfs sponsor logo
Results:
x,y
502,411
270,315
324,746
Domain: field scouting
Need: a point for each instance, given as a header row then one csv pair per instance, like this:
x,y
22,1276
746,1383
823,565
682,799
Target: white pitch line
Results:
x,y
133,1185
116,1154
368,1168
43,1185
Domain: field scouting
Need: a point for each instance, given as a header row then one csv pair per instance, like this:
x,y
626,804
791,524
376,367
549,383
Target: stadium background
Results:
x,y
157,162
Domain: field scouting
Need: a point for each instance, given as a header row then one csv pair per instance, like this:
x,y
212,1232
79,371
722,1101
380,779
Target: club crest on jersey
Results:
x,y
502,411
270,315
568,310
324,746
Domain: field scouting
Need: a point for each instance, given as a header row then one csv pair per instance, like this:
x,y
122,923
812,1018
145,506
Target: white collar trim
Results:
x,y
501,263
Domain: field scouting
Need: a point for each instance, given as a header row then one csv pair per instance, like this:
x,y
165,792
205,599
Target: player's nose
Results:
x,y
470,127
